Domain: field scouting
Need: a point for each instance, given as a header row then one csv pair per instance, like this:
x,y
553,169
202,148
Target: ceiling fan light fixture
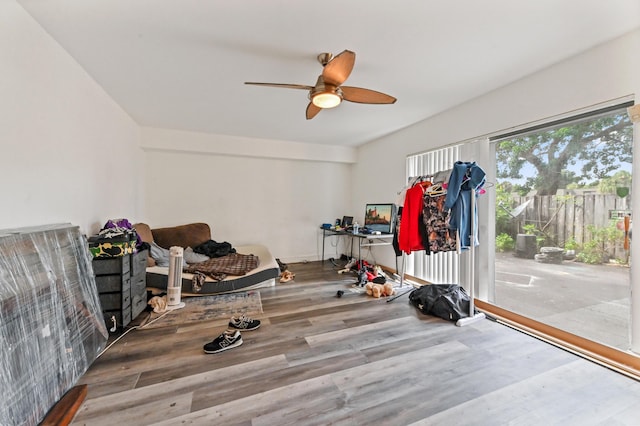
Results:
x,y
328,91
326,100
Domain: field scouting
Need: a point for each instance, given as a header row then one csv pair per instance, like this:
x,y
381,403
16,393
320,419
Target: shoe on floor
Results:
x,y
283,266
244,323
227,340
351,263
287,276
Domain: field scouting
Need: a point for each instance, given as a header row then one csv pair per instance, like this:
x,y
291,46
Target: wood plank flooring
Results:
x,y
318,359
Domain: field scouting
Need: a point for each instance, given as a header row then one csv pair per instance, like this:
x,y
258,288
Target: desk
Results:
x,y
364,240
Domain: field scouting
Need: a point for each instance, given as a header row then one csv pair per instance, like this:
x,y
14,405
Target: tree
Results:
x,y
504,203
597,145
609,185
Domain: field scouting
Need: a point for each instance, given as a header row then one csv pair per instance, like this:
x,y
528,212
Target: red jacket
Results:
x,y
409,237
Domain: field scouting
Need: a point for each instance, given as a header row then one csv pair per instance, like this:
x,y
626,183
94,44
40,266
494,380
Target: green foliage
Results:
x,y
504,242
596,250
609,185
522,190
571,244
590,254
504,205
599,145
531,229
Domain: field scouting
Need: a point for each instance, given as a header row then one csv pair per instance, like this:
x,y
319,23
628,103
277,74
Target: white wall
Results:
x,y
249,191
68,153
607,72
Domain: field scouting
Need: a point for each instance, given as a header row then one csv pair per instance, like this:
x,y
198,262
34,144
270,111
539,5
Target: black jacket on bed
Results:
x,y
214,249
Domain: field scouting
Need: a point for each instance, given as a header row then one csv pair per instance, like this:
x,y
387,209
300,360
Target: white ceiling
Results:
x,y
181,64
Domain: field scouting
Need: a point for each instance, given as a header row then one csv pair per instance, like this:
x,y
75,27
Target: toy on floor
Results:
x,y
379,290
158,303
287,276
351,265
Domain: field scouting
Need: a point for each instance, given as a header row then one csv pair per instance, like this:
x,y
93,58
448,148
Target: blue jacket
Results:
x,y
465,177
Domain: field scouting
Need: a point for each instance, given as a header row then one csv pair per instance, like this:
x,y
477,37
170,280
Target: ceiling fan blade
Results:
x,y
365,96
312,110
285,86
338,69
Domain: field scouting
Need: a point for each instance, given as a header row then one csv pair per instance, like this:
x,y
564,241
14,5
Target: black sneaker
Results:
x,y
227,340
244,323
283,266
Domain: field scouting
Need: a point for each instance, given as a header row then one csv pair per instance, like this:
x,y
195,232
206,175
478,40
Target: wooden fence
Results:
x,y
560,218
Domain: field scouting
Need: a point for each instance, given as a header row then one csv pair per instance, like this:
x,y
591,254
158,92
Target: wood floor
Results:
x,y
318,359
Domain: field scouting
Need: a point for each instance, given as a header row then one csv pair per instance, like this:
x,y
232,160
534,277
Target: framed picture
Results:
x,y
379,217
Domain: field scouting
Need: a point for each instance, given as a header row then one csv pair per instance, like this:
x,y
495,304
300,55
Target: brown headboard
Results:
x,y
190,235
184,236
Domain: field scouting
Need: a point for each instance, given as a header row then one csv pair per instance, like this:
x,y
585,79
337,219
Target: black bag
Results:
x,y
213,248
447,301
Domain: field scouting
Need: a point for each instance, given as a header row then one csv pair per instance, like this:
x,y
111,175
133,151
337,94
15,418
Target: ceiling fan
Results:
x,y
328,91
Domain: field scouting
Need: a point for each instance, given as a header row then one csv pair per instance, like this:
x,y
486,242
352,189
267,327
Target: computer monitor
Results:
x,y
380,217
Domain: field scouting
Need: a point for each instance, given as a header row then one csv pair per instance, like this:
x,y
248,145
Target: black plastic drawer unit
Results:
x,y
121,283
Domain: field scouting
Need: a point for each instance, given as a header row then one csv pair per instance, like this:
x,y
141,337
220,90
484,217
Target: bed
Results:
x,y
192,235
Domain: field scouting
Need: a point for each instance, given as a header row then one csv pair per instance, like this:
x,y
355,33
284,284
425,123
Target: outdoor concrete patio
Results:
x,y
592,301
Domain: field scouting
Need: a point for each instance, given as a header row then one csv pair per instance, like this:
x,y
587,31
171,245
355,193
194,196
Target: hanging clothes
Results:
x,y
436,219
412,231
403,192
466,178
396,231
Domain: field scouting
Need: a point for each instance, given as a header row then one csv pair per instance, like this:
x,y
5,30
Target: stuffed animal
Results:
x,y
379,290
376,291
158,303
369,288
287,276
388,289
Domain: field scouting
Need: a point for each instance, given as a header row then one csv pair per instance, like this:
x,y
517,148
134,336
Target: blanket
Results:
x,y
219,267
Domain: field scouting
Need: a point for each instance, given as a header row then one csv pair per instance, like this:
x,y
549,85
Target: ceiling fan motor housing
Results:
x,y
324,58
325,95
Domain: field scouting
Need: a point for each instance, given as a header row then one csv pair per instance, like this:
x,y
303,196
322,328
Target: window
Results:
x,y
562,216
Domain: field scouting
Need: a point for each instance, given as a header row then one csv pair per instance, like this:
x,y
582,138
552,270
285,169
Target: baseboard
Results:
x,y
300,259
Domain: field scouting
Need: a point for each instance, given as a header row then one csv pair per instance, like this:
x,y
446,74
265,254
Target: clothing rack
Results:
x,y
473,316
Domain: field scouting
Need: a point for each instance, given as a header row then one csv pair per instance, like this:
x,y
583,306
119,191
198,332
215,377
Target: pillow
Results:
x,y
161,255
144,232
191,256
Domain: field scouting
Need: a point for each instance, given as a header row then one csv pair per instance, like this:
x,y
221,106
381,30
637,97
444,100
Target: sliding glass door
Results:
x,y
563,223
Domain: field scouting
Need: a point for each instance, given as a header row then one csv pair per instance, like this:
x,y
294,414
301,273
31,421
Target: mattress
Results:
x,y
262,276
